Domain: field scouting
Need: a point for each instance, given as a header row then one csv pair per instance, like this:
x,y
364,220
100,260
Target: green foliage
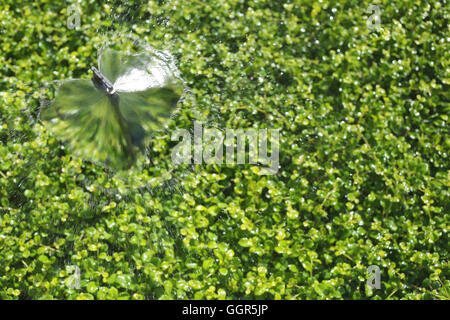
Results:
x,y
364,168
109,128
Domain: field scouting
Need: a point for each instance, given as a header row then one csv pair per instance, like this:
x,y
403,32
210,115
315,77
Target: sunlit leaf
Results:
x,y
110,127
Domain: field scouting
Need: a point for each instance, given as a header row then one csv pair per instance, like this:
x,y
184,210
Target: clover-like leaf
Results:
x,y
110,117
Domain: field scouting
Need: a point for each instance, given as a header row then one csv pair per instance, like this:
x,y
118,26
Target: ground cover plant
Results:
x,y
363,174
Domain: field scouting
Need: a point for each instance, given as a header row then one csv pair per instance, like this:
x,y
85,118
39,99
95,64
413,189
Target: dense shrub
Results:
x,y
364,155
